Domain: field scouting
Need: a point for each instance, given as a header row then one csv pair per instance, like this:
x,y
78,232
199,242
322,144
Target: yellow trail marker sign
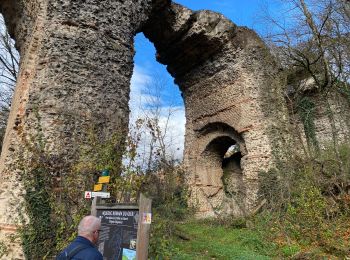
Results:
x,y
104,179
97,187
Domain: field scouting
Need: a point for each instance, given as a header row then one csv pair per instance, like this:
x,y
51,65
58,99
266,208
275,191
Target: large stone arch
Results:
x,y
76,65
227,76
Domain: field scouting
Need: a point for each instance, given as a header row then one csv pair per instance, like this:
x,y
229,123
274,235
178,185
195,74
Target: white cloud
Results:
x,y
139,82
149,99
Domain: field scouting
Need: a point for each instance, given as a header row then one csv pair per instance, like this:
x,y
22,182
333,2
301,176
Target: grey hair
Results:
x,y
88,225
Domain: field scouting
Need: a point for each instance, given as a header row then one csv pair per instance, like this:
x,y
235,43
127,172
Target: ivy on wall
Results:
x,y
344,89
38,233
54,185
306,110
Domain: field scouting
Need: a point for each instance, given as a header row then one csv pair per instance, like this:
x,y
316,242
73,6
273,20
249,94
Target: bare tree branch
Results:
x,y
9,64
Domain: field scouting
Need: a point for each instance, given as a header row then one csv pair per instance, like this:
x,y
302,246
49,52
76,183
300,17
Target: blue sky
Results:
x,y
240,12
148,72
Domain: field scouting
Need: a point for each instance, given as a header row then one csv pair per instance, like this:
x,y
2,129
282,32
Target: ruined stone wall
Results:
x,y
339,105
330,111
232,90
334,106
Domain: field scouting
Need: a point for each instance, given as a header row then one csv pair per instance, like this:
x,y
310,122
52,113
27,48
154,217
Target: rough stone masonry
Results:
x,y
76,65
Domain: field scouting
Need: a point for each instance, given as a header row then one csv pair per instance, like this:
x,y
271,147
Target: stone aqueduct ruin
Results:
x,y
76,65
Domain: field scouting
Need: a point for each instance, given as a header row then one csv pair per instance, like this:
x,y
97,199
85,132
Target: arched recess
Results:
x,y
219,169
219,177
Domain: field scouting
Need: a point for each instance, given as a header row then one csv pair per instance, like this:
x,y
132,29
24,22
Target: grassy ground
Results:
x,y
208,241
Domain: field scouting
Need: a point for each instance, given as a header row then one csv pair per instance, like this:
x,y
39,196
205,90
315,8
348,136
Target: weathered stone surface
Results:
x,y
330,115
233,95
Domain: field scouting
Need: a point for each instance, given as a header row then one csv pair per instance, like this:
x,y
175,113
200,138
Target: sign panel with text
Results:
x,y
118,233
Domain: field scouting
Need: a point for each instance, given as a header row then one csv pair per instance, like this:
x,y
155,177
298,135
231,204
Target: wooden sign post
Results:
x,y
144,227
125,228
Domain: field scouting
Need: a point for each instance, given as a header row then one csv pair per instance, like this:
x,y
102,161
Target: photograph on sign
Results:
x,y
129,254
118,234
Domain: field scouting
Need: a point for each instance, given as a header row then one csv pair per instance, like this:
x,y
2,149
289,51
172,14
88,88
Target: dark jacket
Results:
x,y
88,253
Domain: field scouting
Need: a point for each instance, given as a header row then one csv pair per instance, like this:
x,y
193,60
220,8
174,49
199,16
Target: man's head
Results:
x,y
89,227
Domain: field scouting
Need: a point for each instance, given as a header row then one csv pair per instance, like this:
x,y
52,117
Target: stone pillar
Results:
x,y
76,65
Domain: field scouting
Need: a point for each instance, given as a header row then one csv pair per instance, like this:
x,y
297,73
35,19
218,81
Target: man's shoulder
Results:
x,y
86,250
89,253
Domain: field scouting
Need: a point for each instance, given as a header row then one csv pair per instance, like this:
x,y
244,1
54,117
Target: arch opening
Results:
x,y
9,66
156,101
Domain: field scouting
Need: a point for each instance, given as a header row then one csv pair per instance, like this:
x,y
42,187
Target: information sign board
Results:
x,y
118,233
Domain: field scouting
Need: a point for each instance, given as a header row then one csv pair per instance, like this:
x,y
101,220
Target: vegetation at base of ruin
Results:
x,y
307,213
306,217
169,206
306,110
53,198
37,230
309,202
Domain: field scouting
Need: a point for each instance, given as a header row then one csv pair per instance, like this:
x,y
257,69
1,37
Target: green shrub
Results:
x,y
170,197
291,250
308,201
306,212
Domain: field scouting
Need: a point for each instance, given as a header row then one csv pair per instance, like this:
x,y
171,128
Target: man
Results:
x,y
83,247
